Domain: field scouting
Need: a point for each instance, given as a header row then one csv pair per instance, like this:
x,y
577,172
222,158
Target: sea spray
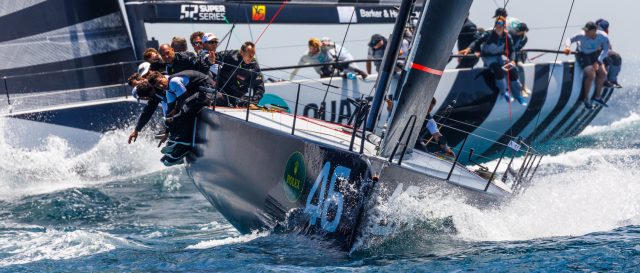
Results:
x,y
574,193
55,165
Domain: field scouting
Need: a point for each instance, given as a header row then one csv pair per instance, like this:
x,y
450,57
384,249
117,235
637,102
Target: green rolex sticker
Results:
x,y
294,177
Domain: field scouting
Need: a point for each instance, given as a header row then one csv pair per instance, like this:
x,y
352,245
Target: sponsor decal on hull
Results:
x,y
294,177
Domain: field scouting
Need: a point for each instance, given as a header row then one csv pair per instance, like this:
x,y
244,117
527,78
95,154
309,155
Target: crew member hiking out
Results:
x,y
152,99
239,73
592,48
613,62
186,93
520,39
495,45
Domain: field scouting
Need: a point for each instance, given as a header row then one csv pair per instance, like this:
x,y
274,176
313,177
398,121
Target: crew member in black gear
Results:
x,y
239,73
187,92
145,91
181,61
468,34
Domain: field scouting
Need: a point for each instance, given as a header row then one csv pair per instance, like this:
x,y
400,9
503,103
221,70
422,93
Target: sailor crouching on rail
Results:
x,y
153,100
184,94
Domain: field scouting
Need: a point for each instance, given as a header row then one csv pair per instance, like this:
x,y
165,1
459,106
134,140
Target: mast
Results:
x,y
440,24
389,61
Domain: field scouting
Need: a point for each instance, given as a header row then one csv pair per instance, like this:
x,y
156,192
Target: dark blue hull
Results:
x,y
261,178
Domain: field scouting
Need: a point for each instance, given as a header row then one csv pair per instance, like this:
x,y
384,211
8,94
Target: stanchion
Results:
x,y
457,157
295,111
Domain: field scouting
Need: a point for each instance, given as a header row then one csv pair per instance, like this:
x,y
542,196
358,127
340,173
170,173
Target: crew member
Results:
x,y
377,46
180,61
196,41
613,62
186,93
208,54
592,49
430,139
494,46
341,54
313,56
179,44
511,22
520,39
468,34
239,73
151,55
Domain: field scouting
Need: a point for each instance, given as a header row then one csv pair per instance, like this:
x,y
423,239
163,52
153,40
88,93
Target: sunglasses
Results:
x,y
212,42
499,23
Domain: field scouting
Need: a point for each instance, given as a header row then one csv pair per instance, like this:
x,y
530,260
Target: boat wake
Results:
x,y
574,193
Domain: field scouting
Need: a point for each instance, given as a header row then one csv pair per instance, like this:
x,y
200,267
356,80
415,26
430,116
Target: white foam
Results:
x,y
229,240
579,192
54,165
619,124
24,246
566,204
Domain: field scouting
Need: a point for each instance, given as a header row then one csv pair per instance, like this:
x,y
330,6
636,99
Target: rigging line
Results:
x,y
506,48
222,63
339,54
556,58
225,49
272,19
228,35
233,26
246,16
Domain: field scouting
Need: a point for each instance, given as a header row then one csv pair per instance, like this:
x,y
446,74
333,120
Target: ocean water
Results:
x,y
116,208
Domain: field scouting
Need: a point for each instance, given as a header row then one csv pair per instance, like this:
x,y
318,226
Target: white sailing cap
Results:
x,y
207,37
143,68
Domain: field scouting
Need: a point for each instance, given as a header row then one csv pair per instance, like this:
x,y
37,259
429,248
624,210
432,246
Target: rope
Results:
x,y
321,109
246,16
564,31
272,19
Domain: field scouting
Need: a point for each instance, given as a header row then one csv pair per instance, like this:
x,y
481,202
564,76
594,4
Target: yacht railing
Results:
x,y
108,82
518,179
507,173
